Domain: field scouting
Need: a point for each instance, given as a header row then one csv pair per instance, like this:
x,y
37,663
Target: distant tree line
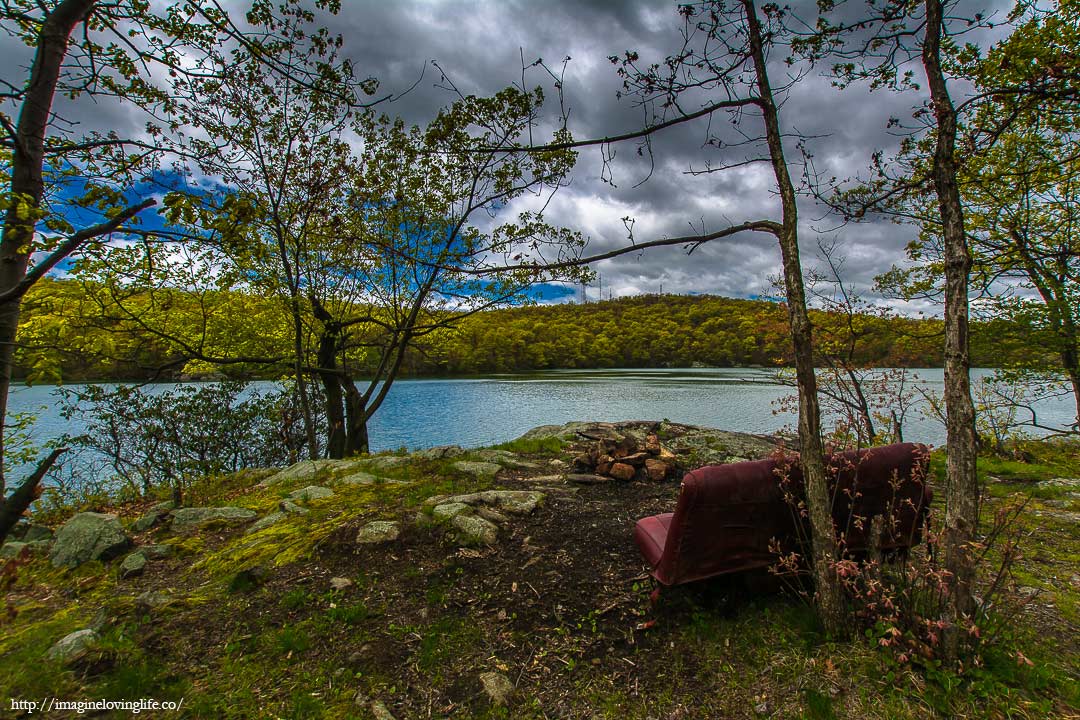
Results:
x,y
71,336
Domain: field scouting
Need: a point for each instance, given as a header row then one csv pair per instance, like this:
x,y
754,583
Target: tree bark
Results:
x,y
357,415
823,542
961,485
26,191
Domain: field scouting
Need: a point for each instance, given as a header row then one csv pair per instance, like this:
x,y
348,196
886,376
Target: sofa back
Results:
x,y
735,517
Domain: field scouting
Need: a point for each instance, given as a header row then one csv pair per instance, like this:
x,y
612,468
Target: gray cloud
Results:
x,y
481,45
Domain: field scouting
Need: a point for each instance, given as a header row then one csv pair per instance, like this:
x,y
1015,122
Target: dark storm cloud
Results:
x,y
481,47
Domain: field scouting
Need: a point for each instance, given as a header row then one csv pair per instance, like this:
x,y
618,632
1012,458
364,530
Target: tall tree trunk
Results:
x,y
26,191
961,485
357,418
301,379
333,381
335,401
823,542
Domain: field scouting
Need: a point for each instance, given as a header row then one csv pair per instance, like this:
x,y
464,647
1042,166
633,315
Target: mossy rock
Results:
x,y
195,517
89,536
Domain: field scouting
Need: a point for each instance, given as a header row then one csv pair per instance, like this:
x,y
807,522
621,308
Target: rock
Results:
x,y
163,506
497,687
311,492
89,536
360,478
636,459
440,452
308,470
562,432
518,502
473,530
1060,482
652,444
264,522
290,508
35,547
12,549
1072,518
34,533
657,469
149,520
447,511
133,565
505,458
622,471
386,462
546,479
587,478
193,517
340,583
157,551
493,515
379,711
71,648
483,470
379,531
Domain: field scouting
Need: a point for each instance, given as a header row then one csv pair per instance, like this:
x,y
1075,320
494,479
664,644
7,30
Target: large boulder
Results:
x,y
310,470
193,517
89,536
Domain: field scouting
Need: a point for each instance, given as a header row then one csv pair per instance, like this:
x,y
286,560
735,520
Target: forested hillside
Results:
x,y
74,334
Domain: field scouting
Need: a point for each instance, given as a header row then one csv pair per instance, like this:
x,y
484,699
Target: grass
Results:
x,y
534,446
282,645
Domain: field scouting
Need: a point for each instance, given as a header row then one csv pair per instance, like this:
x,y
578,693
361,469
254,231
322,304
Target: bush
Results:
x,y
147,439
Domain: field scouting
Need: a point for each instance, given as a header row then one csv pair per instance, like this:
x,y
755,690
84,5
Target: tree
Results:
x,y
67,192
878,46
725,50
853,341
364,247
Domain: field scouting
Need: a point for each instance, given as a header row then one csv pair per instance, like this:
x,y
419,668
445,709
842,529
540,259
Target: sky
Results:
x,y
481,47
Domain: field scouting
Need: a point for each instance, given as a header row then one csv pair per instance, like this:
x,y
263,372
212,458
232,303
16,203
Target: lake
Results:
x,y
479,411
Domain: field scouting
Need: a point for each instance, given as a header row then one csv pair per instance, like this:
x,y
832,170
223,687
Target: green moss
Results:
x,y
534,446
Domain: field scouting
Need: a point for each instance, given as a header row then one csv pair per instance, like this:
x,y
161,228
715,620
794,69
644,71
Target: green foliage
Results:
x,y
165,438
293,640
644,331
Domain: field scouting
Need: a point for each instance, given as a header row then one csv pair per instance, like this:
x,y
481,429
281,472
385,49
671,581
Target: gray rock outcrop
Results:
x,y
88,536
194,517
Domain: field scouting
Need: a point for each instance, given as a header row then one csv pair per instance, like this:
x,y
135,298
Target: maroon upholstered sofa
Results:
x,y
727,516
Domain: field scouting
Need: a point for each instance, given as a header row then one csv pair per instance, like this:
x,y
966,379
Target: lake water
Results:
x,y
482,411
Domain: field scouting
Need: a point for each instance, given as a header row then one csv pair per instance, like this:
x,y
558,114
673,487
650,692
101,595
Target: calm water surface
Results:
x,y
493,409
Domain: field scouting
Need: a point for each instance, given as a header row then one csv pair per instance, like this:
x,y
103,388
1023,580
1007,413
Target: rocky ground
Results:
x,y
449,583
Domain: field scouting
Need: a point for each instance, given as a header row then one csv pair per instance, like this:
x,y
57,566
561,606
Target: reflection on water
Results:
x,y
487,410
